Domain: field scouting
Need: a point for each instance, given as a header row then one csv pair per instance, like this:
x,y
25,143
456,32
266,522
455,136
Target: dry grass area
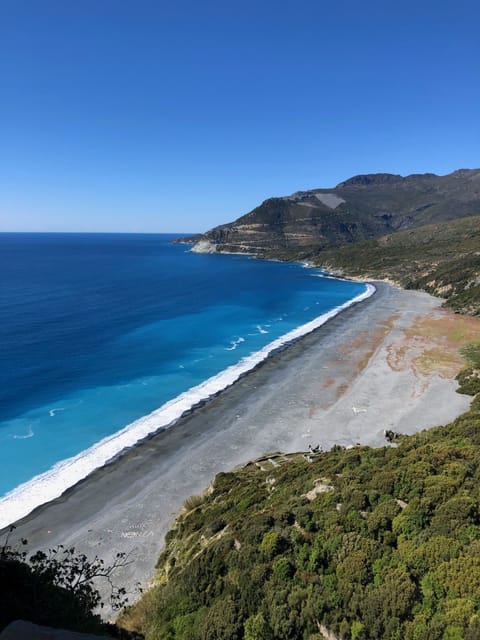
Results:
x,y
367,342
431,345
397,355
328,383
358,352
342,388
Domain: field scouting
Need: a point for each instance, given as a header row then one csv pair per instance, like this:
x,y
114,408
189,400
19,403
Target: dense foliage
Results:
x,y
365,543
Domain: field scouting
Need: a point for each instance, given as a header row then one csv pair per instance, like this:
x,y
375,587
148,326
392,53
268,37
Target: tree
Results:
x,y
55,588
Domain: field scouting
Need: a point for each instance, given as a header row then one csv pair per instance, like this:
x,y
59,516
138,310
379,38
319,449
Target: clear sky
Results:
x,y
159,116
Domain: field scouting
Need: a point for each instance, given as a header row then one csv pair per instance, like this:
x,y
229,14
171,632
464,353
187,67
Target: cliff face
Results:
x,y
361,208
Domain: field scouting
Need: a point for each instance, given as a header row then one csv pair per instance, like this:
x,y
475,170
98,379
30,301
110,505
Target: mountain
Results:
x,y
421,231
359,209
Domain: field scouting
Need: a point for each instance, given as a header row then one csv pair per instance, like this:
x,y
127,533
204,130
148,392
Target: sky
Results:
x,y
156,116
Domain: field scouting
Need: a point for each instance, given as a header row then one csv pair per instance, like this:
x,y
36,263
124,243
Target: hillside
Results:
x,y
359,543
442,259
361,208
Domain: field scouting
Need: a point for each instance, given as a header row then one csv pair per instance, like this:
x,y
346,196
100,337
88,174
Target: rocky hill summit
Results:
x,y
361,208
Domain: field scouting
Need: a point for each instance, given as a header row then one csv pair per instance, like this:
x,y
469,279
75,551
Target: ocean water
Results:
x,y
106,338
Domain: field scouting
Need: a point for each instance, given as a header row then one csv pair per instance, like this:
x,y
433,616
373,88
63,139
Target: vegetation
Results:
x,y
472,354
362,543
469,378
57,589
442,259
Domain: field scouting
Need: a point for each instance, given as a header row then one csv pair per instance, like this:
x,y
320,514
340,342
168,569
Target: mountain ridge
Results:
x,y
421,231
360,208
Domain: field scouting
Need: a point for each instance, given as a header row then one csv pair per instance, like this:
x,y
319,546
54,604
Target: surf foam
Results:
x,y
50,485
234,344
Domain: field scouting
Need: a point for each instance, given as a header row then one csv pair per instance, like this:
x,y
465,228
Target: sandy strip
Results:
x,y
364,371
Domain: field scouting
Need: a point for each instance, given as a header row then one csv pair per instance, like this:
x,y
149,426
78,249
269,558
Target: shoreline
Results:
x,y
65,474
339,384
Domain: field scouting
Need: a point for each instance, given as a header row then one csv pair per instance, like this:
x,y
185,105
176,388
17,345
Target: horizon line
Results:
x,y
179,233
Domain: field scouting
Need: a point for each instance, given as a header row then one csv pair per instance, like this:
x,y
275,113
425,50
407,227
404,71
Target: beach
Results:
x,y
388,362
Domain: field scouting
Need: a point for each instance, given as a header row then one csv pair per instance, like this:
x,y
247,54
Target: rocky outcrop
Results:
x,y
204,246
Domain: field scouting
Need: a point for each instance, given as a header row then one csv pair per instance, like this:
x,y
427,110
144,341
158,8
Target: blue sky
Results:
x,y
176,116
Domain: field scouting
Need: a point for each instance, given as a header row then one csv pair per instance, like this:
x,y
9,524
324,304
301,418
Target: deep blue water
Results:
x,y
98,330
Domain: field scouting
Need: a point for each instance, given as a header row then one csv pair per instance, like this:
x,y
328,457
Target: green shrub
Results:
x,y
256,628
272,544
472,354
283,569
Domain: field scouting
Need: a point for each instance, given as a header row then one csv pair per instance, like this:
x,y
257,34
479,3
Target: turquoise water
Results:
x,y
97,331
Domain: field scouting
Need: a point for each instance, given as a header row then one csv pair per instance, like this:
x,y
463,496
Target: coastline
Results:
x,y
51,484
341,384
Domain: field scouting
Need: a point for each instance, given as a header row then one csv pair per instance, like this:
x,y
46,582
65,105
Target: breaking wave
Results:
x,y
51,484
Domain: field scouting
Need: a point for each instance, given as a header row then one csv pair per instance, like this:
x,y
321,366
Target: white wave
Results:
x,y
52,412
24,436
261,329
51,484
234,344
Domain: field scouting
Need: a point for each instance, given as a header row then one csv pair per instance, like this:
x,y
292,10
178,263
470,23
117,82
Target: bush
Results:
x,y
256,628
472,354
192,502
283,569
271,544
469,382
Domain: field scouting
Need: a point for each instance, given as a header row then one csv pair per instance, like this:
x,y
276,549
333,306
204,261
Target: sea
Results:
x,y
107,338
